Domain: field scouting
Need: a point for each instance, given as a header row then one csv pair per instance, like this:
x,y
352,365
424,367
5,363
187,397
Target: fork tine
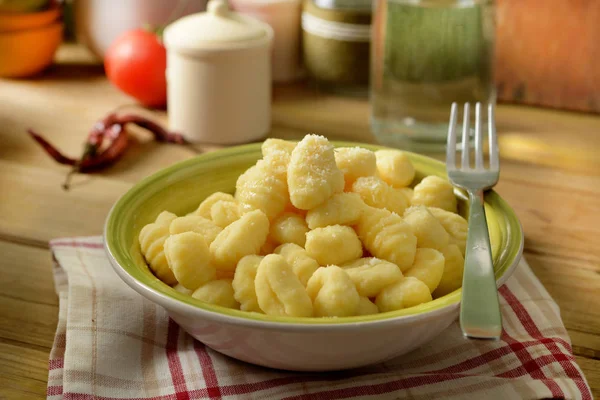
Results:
x,y
465,138
493,139
451,144
478,138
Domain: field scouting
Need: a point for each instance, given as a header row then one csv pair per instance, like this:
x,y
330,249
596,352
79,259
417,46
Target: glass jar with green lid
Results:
x,y
336,38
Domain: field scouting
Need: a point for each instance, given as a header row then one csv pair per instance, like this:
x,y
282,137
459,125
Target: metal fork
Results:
x,y
479,311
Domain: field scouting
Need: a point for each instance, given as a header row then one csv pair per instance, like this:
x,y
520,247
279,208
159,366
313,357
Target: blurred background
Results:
x,y
408,58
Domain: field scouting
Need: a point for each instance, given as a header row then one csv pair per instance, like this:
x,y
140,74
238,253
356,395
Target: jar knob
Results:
x,y
218,7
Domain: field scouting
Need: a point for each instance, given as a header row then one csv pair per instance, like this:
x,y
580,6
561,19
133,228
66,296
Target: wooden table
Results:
x,y
550,175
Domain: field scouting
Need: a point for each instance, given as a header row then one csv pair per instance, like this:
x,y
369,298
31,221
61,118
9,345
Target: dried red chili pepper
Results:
x,y
111,129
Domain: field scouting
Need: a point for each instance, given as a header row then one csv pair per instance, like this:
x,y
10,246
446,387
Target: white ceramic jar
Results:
x,y
219,76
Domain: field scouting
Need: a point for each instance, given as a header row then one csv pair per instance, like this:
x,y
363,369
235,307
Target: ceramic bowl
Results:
x,y
301,344
27,52
18,21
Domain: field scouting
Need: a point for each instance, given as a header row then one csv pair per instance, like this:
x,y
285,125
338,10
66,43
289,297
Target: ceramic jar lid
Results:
x,y
217,28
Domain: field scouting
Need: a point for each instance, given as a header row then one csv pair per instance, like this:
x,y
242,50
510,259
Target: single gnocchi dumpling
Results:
x,y
429,231
289,228
278,289
165,218
219,292
386,236
152,239
313,175
340,209
434,191
376,193
333,293
366,307
223,213
262,188
333,245
371,275
204,209
194,223
355,162
407,292
243,237
277,154
428,267
303,265
395,168
455,225
189,259
454,265
244,289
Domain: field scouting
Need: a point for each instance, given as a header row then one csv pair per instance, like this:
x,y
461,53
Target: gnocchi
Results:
x,y
244,290
407,292
370,275
262,188
313,176
289,228
218,292
303,265
386,236
279,291
429,231
456,226
340,209
454,264
204,209
333,245
243,237
194,223
189,258
434,191
315,232
376,193
355,162
428,267
224,213
395,168
333,293
152,238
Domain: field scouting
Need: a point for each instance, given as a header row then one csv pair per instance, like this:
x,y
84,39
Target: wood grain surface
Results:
x,y
550,175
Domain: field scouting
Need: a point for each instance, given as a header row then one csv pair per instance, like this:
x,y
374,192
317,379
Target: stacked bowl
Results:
x,y
30,33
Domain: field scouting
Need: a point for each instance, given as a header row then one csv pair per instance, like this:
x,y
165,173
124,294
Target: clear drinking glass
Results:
x,y
426,54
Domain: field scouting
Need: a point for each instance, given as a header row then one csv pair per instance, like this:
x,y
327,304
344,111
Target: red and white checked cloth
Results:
x,y
111,343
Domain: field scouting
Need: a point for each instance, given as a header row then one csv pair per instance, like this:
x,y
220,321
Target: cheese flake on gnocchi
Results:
x,y
376,193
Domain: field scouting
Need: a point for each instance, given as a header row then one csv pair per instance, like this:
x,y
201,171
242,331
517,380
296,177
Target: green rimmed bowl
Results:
x,y
303,344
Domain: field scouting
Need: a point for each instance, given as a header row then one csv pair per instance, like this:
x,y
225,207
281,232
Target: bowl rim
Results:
x,y
237,317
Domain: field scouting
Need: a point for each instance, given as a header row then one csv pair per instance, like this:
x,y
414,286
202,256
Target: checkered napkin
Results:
x,y
111,343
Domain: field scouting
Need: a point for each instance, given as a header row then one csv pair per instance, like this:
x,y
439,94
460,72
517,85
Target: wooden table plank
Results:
x,y
591,368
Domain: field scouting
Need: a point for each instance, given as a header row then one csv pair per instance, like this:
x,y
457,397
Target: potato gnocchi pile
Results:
x,y
314,231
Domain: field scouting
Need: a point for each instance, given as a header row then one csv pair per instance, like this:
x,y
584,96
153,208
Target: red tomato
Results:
x,y
135,63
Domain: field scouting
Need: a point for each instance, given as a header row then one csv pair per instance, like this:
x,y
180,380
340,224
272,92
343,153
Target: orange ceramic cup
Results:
x,y
28,52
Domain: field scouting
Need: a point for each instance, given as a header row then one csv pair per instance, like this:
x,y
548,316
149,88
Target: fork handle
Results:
x,y
480,316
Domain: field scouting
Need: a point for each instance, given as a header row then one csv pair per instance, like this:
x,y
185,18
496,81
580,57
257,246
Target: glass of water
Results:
x,y
426,54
